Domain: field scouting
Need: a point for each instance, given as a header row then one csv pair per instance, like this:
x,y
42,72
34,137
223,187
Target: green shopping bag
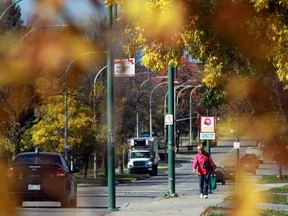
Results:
x,y
213,182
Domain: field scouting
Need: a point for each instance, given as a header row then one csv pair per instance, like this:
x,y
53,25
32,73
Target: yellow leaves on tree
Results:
x,y
48,133
279,35
112,2
212,72
156,28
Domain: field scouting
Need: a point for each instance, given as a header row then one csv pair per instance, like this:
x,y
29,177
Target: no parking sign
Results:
x,y
207,127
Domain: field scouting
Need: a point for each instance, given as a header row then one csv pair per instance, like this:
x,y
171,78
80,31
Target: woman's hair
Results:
x,y
200,147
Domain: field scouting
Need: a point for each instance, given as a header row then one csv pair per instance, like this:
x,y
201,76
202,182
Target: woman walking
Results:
x,y
205,166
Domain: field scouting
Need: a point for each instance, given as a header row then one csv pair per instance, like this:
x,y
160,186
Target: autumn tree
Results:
x,y
48,131
243,38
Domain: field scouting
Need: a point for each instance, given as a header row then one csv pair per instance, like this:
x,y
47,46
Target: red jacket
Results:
x,y
199,160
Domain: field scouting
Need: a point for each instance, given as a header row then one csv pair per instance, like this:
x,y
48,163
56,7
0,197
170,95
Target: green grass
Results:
x,y
278,195
216,211
220,211
273,179
102,179
283,189
278,199
273,213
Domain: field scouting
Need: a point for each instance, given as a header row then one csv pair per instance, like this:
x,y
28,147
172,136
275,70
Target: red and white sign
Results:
x,y
207,124
169,119
124,67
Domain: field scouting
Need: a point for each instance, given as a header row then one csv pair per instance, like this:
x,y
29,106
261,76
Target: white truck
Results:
x,y
143,155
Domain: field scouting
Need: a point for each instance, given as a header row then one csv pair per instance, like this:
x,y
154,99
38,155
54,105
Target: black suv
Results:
x,y
42,176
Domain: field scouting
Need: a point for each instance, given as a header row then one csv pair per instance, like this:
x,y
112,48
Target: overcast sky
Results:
x,y
78,10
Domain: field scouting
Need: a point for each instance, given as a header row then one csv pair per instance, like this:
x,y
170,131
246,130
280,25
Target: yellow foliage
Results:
x,y
156,27
212,72
112,2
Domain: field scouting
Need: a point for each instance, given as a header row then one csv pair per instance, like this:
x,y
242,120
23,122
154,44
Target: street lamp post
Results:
x,y
190,114
179,93
174,103
94,113
94,89
190,110
171,131
110,116
150,107
165,126
66,144
137,104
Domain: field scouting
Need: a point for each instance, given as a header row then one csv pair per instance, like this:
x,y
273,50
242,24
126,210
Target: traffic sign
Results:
x,y
207,124
207,136
236,145
169,119
124,67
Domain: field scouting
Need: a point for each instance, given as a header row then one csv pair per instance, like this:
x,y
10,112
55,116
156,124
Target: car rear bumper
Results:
x,y
44,192
36,196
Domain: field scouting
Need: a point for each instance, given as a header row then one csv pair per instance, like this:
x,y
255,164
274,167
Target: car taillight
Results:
x,y
10,173
60,172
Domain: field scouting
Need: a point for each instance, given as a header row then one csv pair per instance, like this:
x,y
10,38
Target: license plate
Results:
x,y
34,187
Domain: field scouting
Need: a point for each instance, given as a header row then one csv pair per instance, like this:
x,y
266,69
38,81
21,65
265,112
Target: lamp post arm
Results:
x,y
41,27
178,95
94,90
8,8
137,98
150,107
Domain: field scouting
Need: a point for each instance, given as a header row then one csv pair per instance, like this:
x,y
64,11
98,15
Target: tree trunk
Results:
x,y
86,165
120,167
104,162
95,166
280,173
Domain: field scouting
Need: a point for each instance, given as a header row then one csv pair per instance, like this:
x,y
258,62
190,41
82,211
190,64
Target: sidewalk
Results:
x,y
185,205
182,205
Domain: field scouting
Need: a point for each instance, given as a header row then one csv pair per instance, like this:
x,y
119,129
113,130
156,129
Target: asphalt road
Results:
x,y
93,200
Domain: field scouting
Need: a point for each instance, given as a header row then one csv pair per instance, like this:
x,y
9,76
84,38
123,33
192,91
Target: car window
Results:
x,y
65,163
37,159
140,155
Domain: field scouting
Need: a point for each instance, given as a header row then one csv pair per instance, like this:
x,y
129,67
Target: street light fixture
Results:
x,y
190,110
175,118
94,89
66,144
150,108
41,27
179,93
137,104
190,113
8,8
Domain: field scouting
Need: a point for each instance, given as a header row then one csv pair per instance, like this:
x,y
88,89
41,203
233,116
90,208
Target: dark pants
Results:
x,y
204,183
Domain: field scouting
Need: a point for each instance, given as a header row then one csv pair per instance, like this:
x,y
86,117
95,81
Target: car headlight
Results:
x,y
149,164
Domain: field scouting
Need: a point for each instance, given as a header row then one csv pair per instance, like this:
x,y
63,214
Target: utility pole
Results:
x,y
110,109
171,132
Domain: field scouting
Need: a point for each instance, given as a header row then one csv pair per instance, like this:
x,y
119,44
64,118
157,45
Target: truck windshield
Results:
x,y
139,154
